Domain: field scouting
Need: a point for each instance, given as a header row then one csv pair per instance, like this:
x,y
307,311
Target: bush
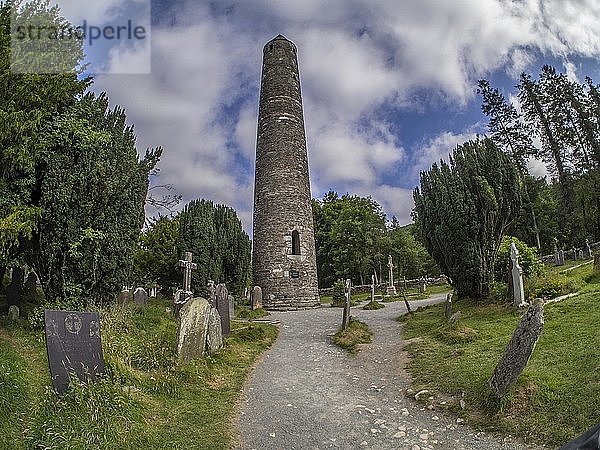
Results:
x,y
528,259
338,295
549,286
498,292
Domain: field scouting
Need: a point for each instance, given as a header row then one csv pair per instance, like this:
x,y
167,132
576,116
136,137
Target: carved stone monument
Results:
x,y
256,298
391,289
347,302
188,266
518,293
519,349
140,296
74,346
223,307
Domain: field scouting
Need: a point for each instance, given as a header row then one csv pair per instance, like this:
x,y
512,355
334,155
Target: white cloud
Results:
x,y
437,148
356,58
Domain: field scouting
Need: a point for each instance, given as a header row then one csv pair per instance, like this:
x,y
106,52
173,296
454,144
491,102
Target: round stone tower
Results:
x,y
283,255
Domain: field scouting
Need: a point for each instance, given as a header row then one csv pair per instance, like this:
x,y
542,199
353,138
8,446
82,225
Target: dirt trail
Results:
x,y
307,393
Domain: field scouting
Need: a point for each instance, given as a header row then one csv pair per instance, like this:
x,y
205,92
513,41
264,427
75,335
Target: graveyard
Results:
x,y
256,308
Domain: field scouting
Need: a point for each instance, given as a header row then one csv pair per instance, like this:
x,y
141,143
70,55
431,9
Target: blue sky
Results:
x,y
388,85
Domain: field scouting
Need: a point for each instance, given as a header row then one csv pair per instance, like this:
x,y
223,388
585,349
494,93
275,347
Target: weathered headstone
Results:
x,y
212,293
74,346
404,288
448,306
256,298
580,254
192,325
14,291
372,288
391,289
587,250
152,293
347,302
519,349
223,307
561,257
13,313
180,298
124,296
30,288
574,253
422,285
518,293
231,303
214,335
140,296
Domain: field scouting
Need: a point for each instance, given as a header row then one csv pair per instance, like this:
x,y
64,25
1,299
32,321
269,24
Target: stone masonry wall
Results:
x,y
282,188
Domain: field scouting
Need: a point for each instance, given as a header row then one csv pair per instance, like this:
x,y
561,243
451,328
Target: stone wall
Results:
x,y
282,188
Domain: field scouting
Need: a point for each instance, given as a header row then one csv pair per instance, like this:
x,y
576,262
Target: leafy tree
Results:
x,y
463,209
349,233
29,102
410,257
92,187
221,248
156,257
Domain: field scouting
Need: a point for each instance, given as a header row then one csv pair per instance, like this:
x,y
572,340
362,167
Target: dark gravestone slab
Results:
x,y
124,297
223,308
590,440
74,346
140,296
14,291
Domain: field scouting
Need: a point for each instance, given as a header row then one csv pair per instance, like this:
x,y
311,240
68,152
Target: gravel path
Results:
x,y
307,393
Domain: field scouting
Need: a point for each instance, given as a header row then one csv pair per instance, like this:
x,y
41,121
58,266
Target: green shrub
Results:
x,y
528,259
338,294
72,303
498,292
550,286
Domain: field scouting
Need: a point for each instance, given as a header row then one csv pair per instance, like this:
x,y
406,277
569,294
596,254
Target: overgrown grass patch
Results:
x,y
357,333
373,305
146,399
251,314
554,400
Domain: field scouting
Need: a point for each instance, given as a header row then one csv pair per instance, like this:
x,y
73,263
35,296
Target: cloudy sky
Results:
x,y
388,85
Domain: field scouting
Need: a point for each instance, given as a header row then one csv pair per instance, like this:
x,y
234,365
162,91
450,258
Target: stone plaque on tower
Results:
x,y
283,259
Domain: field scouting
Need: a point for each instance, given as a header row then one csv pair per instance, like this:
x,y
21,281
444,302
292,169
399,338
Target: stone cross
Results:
x,y
391,289
517,276
188,266
372,288
588,249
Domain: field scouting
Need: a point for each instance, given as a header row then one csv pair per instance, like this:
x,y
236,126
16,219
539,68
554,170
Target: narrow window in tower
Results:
x,y
295,242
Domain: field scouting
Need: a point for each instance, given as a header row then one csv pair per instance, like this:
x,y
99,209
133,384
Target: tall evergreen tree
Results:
x,y
29,102
512,135
92,188
463,209
221,248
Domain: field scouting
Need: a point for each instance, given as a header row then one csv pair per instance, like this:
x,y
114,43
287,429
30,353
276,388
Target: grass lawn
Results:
x,y
556,397
147,400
